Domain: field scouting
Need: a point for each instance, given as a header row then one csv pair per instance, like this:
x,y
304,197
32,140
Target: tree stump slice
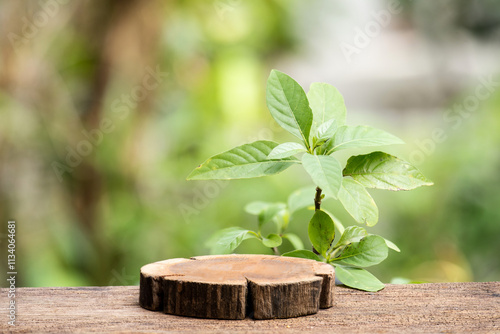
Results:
x,y
235,286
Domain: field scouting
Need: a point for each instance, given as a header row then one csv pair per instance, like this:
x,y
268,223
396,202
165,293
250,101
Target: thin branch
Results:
x,y
317,199
317,206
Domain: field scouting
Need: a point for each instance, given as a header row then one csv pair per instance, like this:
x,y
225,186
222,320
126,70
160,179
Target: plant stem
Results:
x,y
276,251
334,253
317,199
317,206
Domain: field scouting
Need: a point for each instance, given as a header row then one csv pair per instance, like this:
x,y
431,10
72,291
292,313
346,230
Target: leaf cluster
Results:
x,y
277,214
318,120
353,250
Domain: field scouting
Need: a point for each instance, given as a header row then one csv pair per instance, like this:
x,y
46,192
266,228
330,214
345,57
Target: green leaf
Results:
x,y
356,233
358,202
325,171
338,224
326,130
303,254
286,150
288,105
367,252
256,207
272,240
301,198
358,278
226,240
351,234
294,240
270,212
282,219
359,136
321,231
242,162
326,103
384,171
392,245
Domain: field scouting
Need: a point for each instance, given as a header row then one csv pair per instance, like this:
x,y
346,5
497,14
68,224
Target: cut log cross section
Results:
x,y
236,286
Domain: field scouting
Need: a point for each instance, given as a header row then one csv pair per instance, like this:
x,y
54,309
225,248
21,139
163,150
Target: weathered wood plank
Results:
x,y
448,307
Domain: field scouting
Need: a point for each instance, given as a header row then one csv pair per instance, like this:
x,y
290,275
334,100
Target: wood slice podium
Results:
x,y
236,286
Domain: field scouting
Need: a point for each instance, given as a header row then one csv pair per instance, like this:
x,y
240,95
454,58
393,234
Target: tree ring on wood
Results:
x,y
235,286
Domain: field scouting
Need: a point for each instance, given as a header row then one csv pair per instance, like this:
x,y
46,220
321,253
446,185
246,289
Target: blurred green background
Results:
x,y
106,106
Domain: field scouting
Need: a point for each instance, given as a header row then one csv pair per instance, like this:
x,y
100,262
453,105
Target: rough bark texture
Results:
x,y
424,308
234,286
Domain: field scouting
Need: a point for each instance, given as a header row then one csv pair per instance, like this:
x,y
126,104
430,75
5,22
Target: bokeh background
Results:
x,y
106,106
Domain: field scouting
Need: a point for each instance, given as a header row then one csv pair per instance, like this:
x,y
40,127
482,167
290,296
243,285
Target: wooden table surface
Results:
x,y
433,308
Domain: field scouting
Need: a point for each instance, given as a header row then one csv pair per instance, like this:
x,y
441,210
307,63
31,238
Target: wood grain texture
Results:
x,y
423,308
235,286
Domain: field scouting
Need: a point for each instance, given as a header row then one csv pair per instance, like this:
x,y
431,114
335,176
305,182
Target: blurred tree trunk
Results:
x,y
121,37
